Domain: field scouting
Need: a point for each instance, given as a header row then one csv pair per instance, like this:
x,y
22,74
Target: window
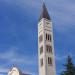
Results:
x,y
47,22
41,61
48,37
49,48
40,38
49,61
41,50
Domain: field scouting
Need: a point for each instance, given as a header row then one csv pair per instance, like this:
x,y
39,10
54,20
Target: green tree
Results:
x,y
69,67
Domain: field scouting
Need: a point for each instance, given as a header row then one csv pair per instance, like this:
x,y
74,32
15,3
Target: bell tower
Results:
x,y
45,44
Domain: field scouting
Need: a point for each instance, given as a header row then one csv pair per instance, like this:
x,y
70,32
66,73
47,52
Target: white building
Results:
x,y
15,71
45,44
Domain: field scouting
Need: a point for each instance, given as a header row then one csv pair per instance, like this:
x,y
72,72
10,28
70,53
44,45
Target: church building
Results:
x,y
16,71
45,44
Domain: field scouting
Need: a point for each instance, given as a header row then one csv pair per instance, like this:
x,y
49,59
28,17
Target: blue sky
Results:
x,y
18,33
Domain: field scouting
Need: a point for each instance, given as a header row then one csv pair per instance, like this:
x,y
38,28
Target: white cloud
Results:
x,y
12,58
8,54
24,60
61,57
62,11
3,70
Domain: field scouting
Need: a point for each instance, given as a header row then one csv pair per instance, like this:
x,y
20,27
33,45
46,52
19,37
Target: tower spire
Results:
x,y
44,12
45,44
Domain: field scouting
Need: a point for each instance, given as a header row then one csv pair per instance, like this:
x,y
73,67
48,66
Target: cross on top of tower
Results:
x,y
44,12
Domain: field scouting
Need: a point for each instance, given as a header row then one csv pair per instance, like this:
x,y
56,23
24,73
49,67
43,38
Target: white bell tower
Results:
x,y
45,44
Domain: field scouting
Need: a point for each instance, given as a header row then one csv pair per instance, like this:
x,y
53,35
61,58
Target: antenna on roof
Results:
x,y
14,65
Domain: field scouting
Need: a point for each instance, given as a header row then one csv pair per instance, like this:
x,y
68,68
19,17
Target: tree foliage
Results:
x,y
69,67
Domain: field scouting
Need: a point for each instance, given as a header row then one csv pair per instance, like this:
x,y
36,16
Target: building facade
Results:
x,y
16,71
45,44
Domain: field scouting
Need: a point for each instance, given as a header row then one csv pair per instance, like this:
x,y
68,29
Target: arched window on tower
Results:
x,y
41,62
41,49
49,49
50,61
41,38
48,37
